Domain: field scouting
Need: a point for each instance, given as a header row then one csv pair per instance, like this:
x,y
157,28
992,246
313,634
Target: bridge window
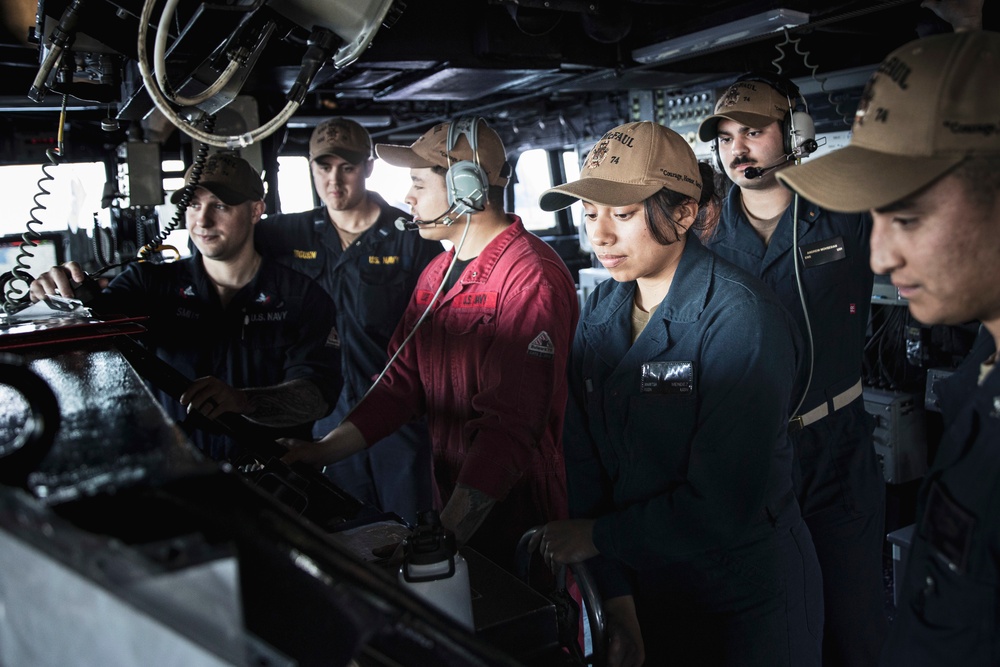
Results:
x,y
533,177
74,196
295,190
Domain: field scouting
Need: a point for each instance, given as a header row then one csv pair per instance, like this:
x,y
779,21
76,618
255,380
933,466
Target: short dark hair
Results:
x,y
981,178
660,207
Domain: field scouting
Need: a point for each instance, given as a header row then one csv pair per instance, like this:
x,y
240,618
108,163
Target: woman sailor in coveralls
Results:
x,y
679,466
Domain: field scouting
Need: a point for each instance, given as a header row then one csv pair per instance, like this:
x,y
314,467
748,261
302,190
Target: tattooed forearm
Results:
x,y
286,404
465,511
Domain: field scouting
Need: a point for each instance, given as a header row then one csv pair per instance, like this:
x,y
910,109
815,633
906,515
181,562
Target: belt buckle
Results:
x,y
795,424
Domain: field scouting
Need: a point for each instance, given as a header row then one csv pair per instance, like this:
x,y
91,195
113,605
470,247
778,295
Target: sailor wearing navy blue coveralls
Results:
x,y
678,461
948,602
272,331
352,248
928,167
838,480
249,332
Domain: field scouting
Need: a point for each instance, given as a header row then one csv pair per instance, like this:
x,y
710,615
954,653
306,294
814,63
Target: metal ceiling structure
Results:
x,y
541,71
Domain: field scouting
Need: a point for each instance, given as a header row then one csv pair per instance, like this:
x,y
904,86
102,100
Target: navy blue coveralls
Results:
x,y
272,331
370,282
949,604
678,446
838,480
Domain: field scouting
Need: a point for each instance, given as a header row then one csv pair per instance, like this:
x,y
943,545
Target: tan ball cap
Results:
x,y
629,164
431,150
752,103
931,104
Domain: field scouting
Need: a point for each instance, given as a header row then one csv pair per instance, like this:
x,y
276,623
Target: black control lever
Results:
x,y
303,488
174,383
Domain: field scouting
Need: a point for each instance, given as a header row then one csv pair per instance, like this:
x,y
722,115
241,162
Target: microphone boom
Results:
x,y
757,172
402,224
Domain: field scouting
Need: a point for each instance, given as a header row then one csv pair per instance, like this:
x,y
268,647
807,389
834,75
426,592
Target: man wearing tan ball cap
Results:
x,y
925,158
350,246
816,261
431,150
482,348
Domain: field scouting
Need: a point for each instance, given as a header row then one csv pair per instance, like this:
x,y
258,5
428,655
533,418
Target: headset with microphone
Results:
x,y
467,181
798,130
468,186
757,172
798,141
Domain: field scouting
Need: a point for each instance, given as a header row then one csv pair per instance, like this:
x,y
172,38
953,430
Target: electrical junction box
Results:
x,y
900,433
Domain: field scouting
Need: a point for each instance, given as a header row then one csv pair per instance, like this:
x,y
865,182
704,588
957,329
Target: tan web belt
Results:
x,y
823,409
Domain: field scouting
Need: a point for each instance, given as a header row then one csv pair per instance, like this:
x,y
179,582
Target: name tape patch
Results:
x,y
667,377
423,297
475,300
823,252
481,300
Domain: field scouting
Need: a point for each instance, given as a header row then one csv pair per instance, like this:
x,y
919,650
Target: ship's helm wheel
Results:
x,y
568,620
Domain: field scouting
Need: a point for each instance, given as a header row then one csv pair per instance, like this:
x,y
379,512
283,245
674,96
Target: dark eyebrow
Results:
x,y
897,205
742,129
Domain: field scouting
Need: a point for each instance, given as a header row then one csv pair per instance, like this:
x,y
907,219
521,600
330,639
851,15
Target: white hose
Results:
x,y
161,103
160,63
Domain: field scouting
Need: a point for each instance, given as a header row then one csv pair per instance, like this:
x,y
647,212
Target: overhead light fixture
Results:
x,y
719,36
302,121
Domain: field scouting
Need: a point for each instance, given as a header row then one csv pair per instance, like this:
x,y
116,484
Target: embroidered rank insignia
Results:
x,y
542,346
333,339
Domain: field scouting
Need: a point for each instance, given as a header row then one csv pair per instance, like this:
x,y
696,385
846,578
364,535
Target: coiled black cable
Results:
x,y
187,192
16,282
98,245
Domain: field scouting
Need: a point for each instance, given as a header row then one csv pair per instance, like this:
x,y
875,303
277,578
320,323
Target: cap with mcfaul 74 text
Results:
x,y
631,163
931,104
750,102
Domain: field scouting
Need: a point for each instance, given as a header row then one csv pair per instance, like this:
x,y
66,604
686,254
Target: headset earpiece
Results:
x,y
798,130
468,184
801,134
466,190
